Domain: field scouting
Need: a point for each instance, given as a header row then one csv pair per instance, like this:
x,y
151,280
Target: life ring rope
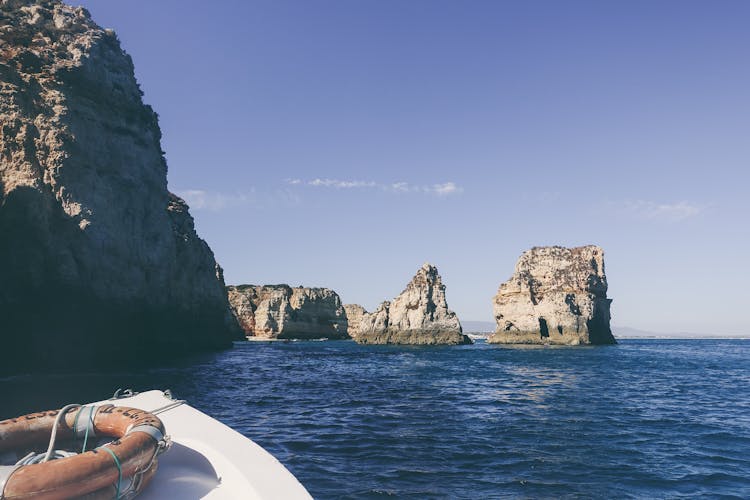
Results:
x,y
139,437
86,428
119,470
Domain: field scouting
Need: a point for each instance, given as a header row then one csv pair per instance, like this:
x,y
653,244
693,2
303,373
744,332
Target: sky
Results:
x,y
343,143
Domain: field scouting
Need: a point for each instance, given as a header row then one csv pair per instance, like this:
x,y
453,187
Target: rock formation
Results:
x,y
280,311
98,261
420,315
354,314
556,296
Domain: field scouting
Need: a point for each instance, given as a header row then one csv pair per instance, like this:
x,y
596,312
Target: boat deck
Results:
x,y
210,460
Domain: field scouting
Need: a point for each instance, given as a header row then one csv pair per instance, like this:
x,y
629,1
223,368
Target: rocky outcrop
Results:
x,y
354,314
283,312
556,296
98,261
420,315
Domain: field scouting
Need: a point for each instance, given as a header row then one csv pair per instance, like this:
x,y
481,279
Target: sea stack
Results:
x,y
354,315
99,262
420,315
283,312
557,295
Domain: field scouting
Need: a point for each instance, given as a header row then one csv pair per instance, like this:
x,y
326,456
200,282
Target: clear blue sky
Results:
x,y
344,143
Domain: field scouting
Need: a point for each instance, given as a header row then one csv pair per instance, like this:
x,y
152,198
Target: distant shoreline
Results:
x,y
485,335
683,337
485,328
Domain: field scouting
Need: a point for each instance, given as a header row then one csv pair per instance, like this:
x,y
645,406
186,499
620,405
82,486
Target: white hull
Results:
x,y
210,460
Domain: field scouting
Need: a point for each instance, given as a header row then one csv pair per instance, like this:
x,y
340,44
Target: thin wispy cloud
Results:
x,y
340,184
199,199
446,189
667,212
214,201
441,189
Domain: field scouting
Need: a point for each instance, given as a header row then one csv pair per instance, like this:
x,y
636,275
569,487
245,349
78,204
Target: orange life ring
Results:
x,y
139,438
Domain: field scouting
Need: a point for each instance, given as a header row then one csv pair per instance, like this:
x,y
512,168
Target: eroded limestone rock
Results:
x,y
354,314
97,258
557,296
419,315
280,311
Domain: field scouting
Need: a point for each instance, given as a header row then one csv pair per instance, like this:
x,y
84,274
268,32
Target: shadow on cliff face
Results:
x,y
48,321
63,335
598,325
543,328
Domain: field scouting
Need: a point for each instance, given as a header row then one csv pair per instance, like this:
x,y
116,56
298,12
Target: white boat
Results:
x,y
207,459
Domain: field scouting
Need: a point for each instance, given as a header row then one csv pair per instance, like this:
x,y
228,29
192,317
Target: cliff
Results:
x,y
419,315
557,296
98,261
279,311
354,315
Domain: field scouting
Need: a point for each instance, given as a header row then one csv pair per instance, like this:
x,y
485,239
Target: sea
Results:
x,y
641,419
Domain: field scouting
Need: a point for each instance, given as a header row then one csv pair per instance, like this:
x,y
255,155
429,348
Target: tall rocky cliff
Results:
x,y
419,315
98,261
556,295
280,311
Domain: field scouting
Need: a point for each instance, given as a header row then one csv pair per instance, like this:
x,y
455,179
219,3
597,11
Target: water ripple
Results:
x,y
641,419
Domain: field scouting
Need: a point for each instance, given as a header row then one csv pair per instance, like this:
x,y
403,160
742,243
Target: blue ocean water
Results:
x,y
642,419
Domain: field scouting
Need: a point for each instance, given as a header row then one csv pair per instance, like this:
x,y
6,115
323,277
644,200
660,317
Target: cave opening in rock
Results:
x,y
560,329
543,329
